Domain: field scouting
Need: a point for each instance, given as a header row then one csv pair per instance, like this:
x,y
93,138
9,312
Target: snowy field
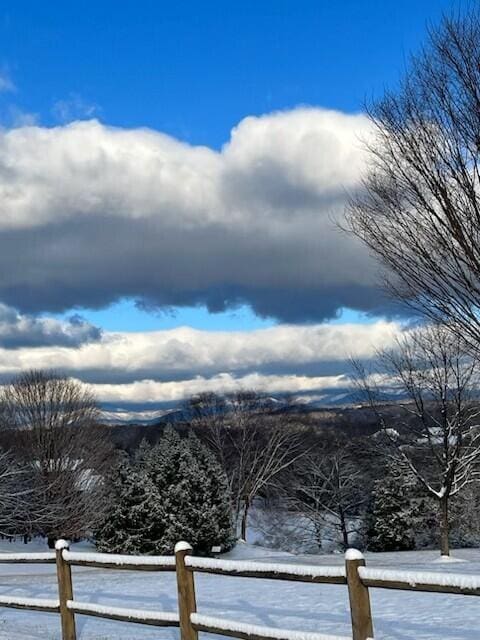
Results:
x,y
288,605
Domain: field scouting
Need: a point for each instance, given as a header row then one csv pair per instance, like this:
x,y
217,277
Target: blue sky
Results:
x,y
174,79
195,69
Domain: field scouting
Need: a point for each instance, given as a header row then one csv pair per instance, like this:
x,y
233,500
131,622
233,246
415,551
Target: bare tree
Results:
x,y
253,442
22,508
419,207
327,489
434,433
206,412
56,434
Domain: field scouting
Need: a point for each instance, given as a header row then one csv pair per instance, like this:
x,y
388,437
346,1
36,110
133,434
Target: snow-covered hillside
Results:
x,y
289,605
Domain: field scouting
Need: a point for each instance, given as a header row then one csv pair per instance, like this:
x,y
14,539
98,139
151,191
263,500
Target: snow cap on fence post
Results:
x,y
62,544
65,591
182,546
186,592
354,554
360,610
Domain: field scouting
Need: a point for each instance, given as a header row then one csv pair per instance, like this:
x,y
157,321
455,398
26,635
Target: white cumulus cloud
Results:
x,y
185,353
97,213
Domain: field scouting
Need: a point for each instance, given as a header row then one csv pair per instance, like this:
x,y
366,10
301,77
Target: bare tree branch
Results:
x,y
419,208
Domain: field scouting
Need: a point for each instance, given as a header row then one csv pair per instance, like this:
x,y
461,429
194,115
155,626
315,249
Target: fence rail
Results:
x,y
113,561
354,574
47,557
318,575
235,629
34,604
158,619
454,583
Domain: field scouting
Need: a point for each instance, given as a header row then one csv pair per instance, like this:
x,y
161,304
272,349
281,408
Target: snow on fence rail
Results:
x,y
253,631
456,583
46,557
156,618
114,561
274,571
354,574
35,604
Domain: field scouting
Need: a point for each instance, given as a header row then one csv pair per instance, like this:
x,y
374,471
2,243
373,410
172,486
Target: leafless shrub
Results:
x,y
327,492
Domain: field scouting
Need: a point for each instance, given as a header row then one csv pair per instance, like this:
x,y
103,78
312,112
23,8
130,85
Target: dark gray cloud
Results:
x,y
19,330
94,262
91,214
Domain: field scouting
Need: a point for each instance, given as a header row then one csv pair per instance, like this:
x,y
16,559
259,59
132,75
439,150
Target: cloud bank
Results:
x,y
184,353
139,375
146,392
91,214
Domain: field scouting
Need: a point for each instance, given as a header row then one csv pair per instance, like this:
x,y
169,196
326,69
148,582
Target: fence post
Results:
x,y
65,591
361,613
186,592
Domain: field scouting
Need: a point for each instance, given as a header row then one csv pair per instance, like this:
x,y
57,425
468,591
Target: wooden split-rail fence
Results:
x,y
354,575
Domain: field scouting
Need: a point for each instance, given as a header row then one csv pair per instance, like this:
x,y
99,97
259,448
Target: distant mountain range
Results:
x,y
334,399
352,420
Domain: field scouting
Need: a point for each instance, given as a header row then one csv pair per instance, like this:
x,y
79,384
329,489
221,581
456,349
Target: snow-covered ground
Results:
x,y
288,605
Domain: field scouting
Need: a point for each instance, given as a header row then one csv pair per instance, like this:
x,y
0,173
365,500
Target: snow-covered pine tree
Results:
x,y
210,500
193,491
393,516
129,523
175,490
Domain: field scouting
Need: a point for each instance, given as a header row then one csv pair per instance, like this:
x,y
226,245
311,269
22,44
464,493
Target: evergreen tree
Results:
x,y
128,526
392,521
193,490
175,490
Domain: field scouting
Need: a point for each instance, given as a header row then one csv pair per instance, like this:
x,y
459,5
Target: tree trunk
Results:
x,y
51,542
238,509
243,529
343,526
444,527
